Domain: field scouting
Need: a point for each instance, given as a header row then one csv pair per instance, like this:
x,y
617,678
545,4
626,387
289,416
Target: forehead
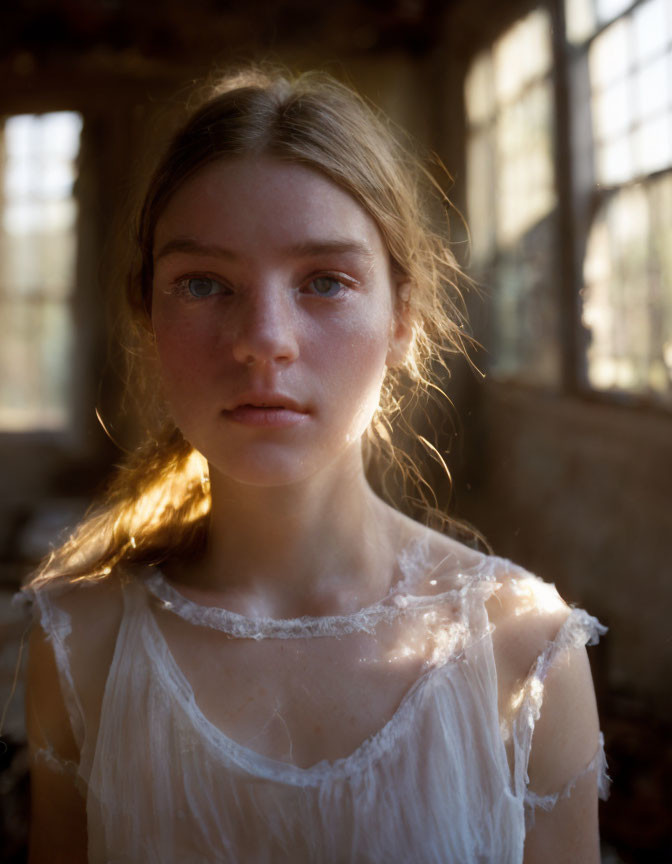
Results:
x,y
265,203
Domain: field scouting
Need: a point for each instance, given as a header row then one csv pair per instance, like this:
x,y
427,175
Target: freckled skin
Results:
x,y
271,330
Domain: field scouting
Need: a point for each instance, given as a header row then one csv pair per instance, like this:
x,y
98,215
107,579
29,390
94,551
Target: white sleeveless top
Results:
x,y
443,780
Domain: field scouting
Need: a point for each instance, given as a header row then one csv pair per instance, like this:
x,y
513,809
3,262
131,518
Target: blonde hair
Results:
x,y
158,502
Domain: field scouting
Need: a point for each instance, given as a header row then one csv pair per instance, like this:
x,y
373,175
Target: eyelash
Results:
x,y
181,285
335,278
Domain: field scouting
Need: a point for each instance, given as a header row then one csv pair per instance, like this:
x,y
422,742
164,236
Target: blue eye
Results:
x,y
326,286
204,286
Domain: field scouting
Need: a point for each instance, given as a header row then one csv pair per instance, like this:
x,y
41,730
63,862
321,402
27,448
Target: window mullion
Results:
x,y
569,282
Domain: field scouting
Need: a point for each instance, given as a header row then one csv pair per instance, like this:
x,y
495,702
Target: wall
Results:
x,y
580,493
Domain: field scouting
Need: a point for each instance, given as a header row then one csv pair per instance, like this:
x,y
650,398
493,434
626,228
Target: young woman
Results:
x,y
245,654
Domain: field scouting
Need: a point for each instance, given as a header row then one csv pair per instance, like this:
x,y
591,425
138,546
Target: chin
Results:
x,y
261,473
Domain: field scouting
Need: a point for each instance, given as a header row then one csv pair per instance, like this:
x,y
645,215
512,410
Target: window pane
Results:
x,y
479,90
661,271
524,337
512,198
653,144
522,54
50,273
627,299
580,20
609,55
653,87
627,294
481,195
34,357
652,26
607,10
632,96
614,161
612,111
37,268
524,155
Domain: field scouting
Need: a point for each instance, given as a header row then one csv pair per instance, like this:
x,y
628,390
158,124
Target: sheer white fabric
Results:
x,y
443,779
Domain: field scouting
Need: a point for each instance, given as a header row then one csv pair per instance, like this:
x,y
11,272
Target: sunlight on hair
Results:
x,y
170,504
157,501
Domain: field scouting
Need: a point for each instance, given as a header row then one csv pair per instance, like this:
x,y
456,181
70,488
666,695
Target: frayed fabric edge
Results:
x,y
598,763
58,764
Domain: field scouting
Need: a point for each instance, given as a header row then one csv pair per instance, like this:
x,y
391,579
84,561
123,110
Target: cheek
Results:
x,y
368,343
182,350
354,364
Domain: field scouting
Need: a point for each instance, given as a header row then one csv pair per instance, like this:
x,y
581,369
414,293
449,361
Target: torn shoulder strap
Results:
x,y
579,629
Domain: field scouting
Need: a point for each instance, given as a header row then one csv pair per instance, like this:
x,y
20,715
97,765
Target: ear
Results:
x,y
401,331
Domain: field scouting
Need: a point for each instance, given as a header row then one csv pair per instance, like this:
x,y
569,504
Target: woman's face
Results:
x,y
273,309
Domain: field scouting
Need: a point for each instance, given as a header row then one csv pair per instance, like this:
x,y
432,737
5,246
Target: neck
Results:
x,y
327,545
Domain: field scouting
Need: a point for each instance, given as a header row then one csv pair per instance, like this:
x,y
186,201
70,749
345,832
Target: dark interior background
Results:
x,y
573,483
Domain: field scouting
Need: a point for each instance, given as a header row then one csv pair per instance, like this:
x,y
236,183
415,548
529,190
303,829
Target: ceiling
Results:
x,y
182,31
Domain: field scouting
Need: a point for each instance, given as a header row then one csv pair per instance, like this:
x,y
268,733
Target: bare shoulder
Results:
x,y
527,614
536,645
538,642
543,670
438,559
71,645
535,634
85,609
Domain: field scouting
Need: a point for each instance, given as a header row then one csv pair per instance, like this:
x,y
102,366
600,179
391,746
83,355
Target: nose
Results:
x,y
266,329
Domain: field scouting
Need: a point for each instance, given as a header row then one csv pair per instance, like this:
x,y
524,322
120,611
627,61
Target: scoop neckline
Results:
x,y
259,764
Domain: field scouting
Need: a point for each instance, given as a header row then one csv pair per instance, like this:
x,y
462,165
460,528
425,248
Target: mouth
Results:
x,y
265,406
266,410
267,402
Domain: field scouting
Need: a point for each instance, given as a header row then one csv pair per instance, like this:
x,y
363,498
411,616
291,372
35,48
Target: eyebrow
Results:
x,y
305,249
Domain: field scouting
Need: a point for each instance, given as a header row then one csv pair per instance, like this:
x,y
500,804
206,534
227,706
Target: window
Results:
x,y
627,298
618,61
511,196
38,155
627,293
631,84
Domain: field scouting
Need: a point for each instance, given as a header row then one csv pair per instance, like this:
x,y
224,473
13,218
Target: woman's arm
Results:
x,y
58,810
565,741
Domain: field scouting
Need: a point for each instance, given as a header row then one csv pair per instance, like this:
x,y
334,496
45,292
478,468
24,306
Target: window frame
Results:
x,y
38,464
579,198
65,434
509,17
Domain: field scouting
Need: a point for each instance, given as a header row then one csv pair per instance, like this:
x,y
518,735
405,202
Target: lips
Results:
x,y
266,400
266,410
